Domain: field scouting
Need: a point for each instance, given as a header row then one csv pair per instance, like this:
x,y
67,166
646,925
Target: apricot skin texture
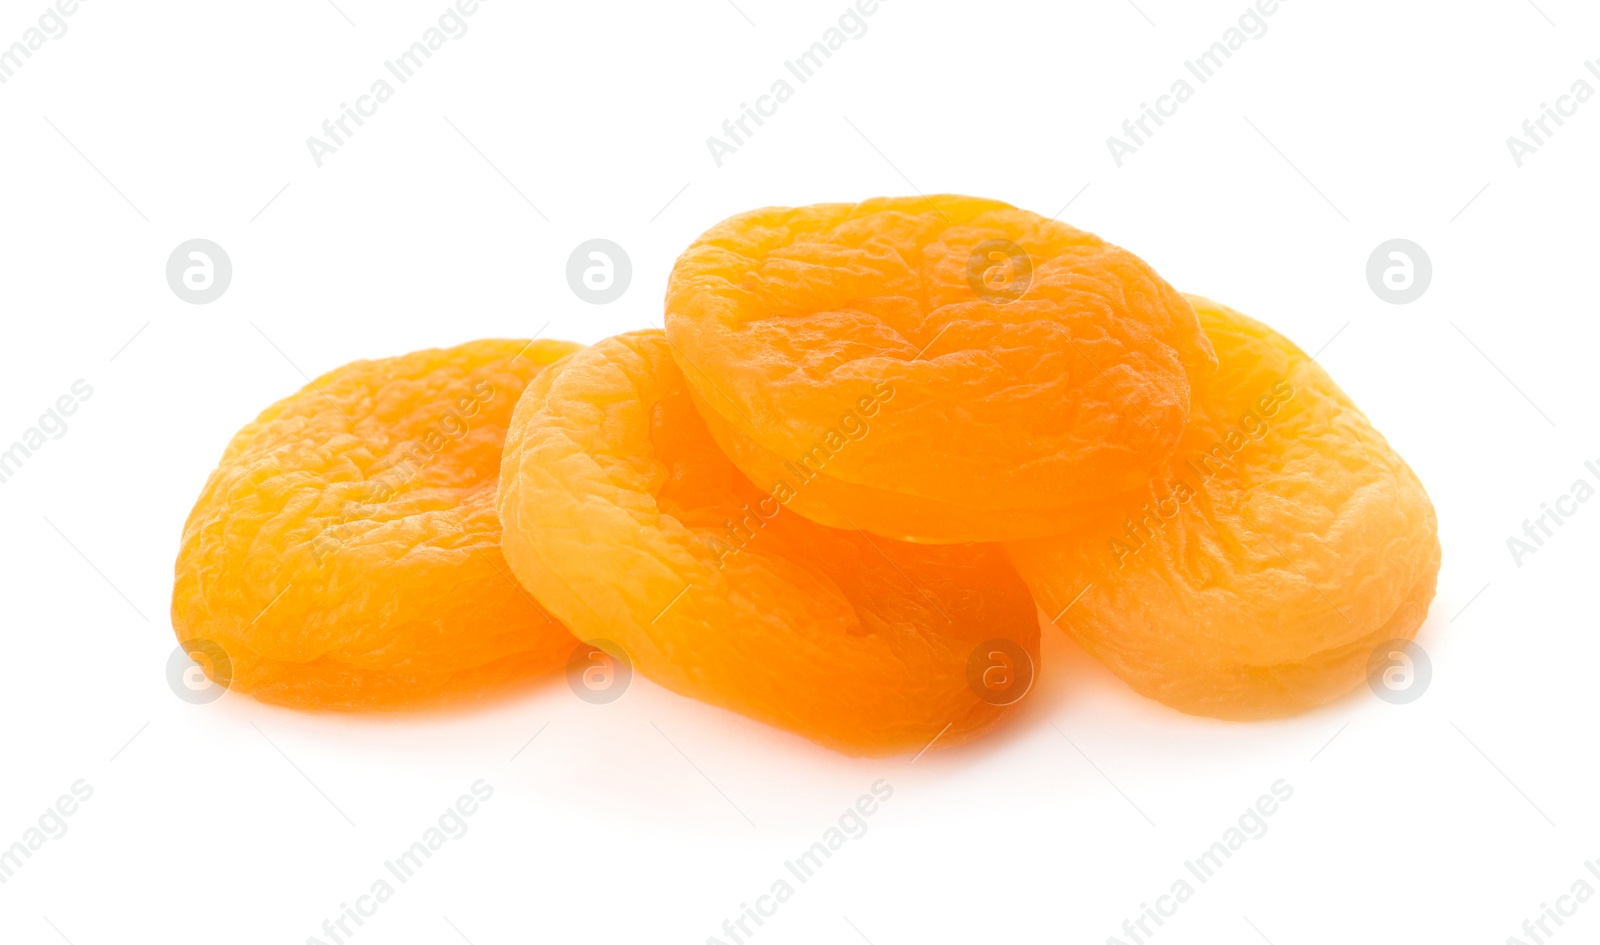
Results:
x,y
345,554
626,522
1255,575
1007,413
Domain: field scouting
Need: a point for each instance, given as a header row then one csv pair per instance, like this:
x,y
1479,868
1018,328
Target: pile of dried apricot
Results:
x,y
828,495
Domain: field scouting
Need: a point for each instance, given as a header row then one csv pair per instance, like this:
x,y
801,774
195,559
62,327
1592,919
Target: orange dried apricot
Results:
x,y
628,524
1255,575
345,553
933,369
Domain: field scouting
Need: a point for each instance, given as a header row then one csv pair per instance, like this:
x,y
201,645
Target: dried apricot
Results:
x,y
627,523
933,369
1255,575
346,554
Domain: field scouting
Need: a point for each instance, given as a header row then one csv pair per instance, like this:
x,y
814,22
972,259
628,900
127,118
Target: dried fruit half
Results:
x,y
345,553
629,525
1283,542
933,369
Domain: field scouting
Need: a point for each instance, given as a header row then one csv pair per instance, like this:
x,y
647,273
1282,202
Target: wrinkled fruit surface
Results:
x,y
1255,575
628,524
946,368
345,552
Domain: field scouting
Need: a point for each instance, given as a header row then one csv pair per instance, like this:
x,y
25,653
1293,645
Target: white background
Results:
x,y
449,216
